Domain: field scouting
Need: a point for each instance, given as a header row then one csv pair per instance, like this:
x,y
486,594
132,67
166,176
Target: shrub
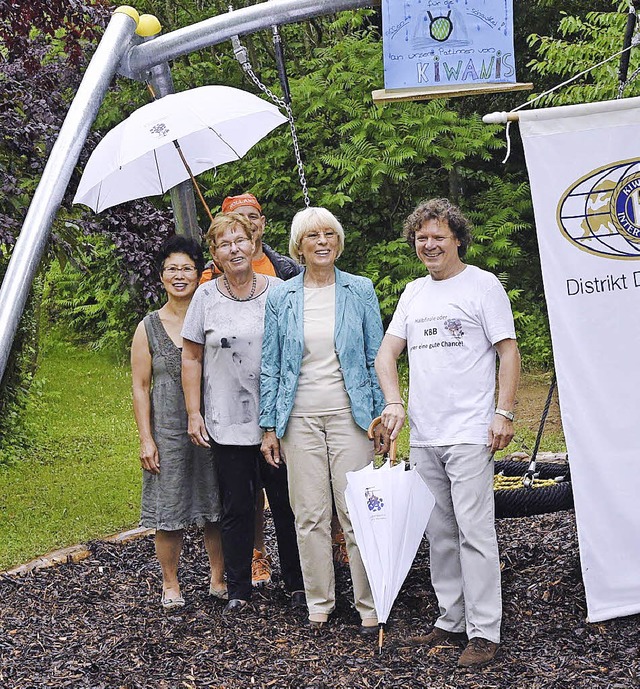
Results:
x,y
91,299
18,376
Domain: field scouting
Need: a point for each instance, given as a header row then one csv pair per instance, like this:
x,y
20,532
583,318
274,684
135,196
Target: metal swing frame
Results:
x,y
122,52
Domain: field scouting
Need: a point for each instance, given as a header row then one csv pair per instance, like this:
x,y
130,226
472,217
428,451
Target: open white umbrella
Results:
x,y
171,139
389,509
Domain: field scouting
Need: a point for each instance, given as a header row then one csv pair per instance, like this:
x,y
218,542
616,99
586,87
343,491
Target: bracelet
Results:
x,y
390,403
271,429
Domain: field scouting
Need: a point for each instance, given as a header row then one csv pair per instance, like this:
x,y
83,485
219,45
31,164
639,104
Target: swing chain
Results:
x,y
242,57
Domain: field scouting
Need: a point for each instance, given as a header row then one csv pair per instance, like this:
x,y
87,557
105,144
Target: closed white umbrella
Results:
x,y
389,509
211,125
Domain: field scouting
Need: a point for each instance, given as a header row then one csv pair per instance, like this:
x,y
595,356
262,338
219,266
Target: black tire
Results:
x,y
524,502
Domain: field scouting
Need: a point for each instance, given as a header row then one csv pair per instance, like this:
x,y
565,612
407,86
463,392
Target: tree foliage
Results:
x,y
32,109
21,367
36,74
73,24
583,42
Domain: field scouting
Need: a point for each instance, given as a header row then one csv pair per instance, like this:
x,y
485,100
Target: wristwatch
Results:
x,y
507,414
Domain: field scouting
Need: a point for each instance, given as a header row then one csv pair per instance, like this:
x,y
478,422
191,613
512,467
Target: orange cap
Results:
x,y
233,202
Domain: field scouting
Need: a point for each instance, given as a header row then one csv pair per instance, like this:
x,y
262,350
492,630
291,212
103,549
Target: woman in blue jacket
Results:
x,y
318,395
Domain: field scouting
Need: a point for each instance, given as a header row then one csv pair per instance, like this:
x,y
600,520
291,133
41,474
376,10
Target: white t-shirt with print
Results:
x,y
450,327
231,332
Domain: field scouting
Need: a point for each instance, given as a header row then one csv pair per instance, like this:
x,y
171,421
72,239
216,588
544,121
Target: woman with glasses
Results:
x,y
179,486
318,395
221,360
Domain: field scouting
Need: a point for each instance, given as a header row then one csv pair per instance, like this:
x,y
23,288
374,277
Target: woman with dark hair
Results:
x,y
179,483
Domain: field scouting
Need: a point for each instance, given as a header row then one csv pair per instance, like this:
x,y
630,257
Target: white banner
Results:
x,y
584,167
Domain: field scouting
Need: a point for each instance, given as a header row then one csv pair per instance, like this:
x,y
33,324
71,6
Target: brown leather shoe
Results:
x,y
438,637
478,652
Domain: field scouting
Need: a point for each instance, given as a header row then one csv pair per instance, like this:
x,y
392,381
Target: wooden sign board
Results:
x,y
450,91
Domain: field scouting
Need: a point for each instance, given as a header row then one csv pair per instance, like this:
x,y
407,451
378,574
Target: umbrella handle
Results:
x,y
392,447
196,186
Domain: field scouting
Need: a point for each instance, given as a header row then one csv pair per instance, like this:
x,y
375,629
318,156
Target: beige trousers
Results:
x,y
319,451
465,564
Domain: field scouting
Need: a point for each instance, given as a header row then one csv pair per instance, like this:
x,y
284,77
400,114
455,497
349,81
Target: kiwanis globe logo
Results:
x,y
600,213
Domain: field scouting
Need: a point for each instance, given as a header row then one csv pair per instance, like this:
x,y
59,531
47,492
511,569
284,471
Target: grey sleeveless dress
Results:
x,y
185,491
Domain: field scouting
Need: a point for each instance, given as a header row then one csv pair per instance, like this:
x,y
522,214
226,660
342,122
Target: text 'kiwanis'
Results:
x,y
442,71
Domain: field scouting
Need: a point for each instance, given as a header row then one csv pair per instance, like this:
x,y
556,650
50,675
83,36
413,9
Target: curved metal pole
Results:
x,y
32,241
222,27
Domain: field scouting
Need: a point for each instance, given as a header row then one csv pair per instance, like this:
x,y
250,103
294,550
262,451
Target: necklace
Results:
x,y
235,297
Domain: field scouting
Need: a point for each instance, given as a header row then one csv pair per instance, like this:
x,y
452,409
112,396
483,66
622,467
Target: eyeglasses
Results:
x,y
174,270
241,243
327,234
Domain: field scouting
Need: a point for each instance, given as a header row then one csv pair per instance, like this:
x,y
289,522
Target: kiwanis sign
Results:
x,y
442,42
584,167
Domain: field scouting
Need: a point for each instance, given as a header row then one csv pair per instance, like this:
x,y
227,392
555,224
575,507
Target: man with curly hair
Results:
x,y
453,322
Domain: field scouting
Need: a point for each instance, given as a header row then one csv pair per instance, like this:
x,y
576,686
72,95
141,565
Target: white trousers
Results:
x,y
465,565
319,451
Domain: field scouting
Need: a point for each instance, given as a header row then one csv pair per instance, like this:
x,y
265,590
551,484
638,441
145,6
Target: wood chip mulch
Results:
x,y
98,624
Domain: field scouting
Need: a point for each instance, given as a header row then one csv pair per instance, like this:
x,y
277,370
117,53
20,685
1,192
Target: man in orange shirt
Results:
x,y
265,261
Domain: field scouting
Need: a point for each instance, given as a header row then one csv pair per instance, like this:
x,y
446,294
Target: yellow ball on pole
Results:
x,y
132,12
148,25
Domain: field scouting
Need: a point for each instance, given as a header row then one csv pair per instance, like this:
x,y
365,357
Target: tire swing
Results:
x,y
522,490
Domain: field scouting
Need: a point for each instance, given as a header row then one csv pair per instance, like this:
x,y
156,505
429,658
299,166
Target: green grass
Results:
x,y
81,478
525,439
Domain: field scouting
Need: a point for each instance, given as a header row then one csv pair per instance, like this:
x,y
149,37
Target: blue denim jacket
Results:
x,y
358,334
